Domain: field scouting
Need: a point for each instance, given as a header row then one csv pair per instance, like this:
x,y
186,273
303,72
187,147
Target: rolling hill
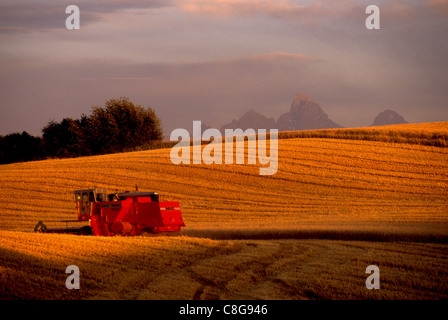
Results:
x,y
340,200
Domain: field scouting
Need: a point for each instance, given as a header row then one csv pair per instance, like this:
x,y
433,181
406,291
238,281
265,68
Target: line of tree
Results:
x,y
118,126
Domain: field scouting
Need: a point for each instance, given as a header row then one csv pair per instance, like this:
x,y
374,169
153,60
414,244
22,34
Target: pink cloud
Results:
x,y
272,57
314,12
279,8
226,7
439,6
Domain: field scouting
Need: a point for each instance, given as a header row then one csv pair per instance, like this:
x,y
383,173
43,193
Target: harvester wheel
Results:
x,y
40,227
85,231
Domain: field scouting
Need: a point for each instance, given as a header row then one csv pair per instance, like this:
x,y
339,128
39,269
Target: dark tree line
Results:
x,y
118,126
17,147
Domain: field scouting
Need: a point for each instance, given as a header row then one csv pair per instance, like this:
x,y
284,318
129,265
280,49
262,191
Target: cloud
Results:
x,y
226,7
16,17
181,57
208,73
28,15
274,8
440,7
214,91
315,11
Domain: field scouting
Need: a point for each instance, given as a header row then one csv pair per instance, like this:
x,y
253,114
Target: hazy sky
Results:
x,y
214,60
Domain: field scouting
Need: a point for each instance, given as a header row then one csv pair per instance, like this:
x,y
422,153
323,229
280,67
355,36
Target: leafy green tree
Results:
x,y
16,147
102,132
63,139
121,125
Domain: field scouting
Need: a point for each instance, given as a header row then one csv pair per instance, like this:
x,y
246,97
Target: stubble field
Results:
x,y
336,205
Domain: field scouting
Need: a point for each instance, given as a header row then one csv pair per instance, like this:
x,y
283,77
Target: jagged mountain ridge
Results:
x,y
304,114
251,120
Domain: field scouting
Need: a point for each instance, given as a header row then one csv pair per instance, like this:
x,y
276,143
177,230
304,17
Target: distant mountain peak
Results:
x,y
305,114
252,114
251,120
301,98
388,117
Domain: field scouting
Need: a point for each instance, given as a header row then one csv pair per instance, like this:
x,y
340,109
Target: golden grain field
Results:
x,y
336,205
33,266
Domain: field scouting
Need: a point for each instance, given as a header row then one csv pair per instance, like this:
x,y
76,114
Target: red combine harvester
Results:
x,y
127,213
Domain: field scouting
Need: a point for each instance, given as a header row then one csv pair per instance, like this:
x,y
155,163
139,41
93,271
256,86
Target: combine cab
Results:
x,y
127,213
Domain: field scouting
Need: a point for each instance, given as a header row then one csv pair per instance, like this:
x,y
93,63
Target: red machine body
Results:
x,y
128,213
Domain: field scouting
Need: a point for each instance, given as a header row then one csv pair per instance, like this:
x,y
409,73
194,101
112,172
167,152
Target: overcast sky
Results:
x,y
214,60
